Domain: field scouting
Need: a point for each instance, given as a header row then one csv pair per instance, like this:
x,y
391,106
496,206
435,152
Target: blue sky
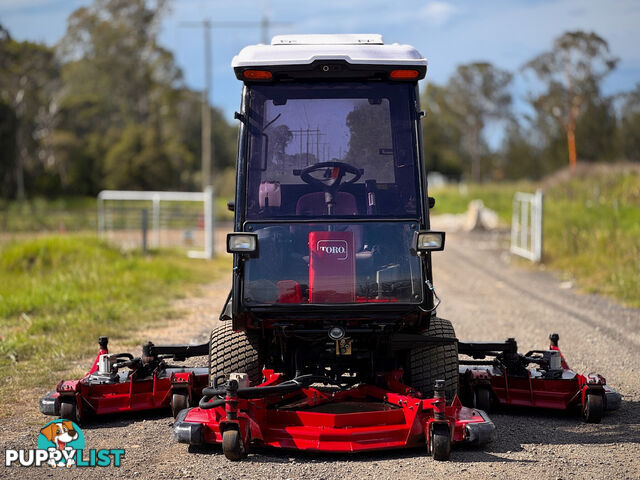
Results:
x,y
504,32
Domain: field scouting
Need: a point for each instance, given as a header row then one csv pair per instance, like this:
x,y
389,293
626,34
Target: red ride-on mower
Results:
x,y
329,339
118,383
506,379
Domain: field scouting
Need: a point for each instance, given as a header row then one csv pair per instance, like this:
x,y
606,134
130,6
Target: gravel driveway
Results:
x,y
487,299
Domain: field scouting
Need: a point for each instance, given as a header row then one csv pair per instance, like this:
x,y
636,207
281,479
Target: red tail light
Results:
x,y
257,75
404,74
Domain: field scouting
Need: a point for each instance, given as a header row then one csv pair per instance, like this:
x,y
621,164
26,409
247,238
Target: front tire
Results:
x,y
482,399
593,408
68,411
232,445
235,352
179,401
440,442
428,363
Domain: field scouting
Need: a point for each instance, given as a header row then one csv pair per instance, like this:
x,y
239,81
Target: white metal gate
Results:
x,y
526,225
171,216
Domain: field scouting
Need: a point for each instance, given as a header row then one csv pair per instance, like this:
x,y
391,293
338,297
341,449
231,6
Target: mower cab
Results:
x,y
331,211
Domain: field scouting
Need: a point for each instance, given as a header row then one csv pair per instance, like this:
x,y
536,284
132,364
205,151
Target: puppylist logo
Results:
x,y
61,444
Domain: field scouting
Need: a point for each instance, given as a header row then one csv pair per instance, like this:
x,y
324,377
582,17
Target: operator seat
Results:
x,y
313,204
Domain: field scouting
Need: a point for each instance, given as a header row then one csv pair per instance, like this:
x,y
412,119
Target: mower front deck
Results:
x,y
361,418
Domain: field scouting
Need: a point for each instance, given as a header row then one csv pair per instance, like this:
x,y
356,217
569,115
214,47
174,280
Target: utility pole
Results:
x,y
207,122
207,144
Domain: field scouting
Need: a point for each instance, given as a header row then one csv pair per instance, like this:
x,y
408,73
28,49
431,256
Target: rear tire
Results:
x,y
426,364
234,352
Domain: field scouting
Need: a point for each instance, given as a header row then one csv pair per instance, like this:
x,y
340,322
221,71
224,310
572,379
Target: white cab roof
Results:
x,y
364,49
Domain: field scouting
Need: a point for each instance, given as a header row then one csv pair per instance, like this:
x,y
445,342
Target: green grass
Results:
x,y
591,226
496,196
592,232
59,293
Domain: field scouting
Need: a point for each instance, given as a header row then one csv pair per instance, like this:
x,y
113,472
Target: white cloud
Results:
x,y
438,13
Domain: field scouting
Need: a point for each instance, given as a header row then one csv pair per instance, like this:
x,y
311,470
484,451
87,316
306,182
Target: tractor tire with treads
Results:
x,y
426,364
234,352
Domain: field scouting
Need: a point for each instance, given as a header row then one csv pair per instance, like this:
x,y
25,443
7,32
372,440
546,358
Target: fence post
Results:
x,y
145,228
156,220
100,216
539,206
208,223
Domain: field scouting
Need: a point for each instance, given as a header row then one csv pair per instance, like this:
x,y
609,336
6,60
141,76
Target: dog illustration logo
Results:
x,y
63,436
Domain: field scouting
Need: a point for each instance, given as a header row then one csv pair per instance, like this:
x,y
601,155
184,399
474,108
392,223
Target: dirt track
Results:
x,y
487,299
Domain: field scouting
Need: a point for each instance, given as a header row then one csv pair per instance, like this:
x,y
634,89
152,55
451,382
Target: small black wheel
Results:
x,y
68,411
440,442
482,399
593,408
179,401
232,445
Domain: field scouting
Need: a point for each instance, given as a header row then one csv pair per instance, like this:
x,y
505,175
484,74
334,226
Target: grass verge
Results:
x,y
58,294
591,225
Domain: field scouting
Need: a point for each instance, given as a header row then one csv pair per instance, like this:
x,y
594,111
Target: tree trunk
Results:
x,y
571,142
574,112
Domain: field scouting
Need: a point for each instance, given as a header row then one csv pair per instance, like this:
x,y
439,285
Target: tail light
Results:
x,y
257,75
404,74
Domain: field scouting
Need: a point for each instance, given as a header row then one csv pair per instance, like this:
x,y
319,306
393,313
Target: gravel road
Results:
x,y
487,298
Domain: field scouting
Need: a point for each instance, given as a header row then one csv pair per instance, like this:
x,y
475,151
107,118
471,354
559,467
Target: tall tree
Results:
x,y
478,94
629,132
442,134
116,67
520,156
111,50
571,73
28,77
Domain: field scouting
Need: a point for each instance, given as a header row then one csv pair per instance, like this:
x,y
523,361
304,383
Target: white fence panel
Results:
x,y
526,225
163,221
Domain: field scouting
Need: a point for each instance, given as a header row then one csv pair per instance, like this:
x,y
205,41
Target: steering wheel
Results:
x,y
333,176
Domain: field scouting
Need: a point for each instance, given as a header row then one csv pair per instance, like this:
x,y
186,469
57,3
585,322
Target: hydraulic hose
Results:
x,y
288,386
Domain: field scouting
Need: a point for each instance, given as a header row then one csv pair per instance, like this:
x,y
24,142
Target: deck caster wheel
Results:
x,y
482,399
593,408
440,442
68,411
179,401
232,445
